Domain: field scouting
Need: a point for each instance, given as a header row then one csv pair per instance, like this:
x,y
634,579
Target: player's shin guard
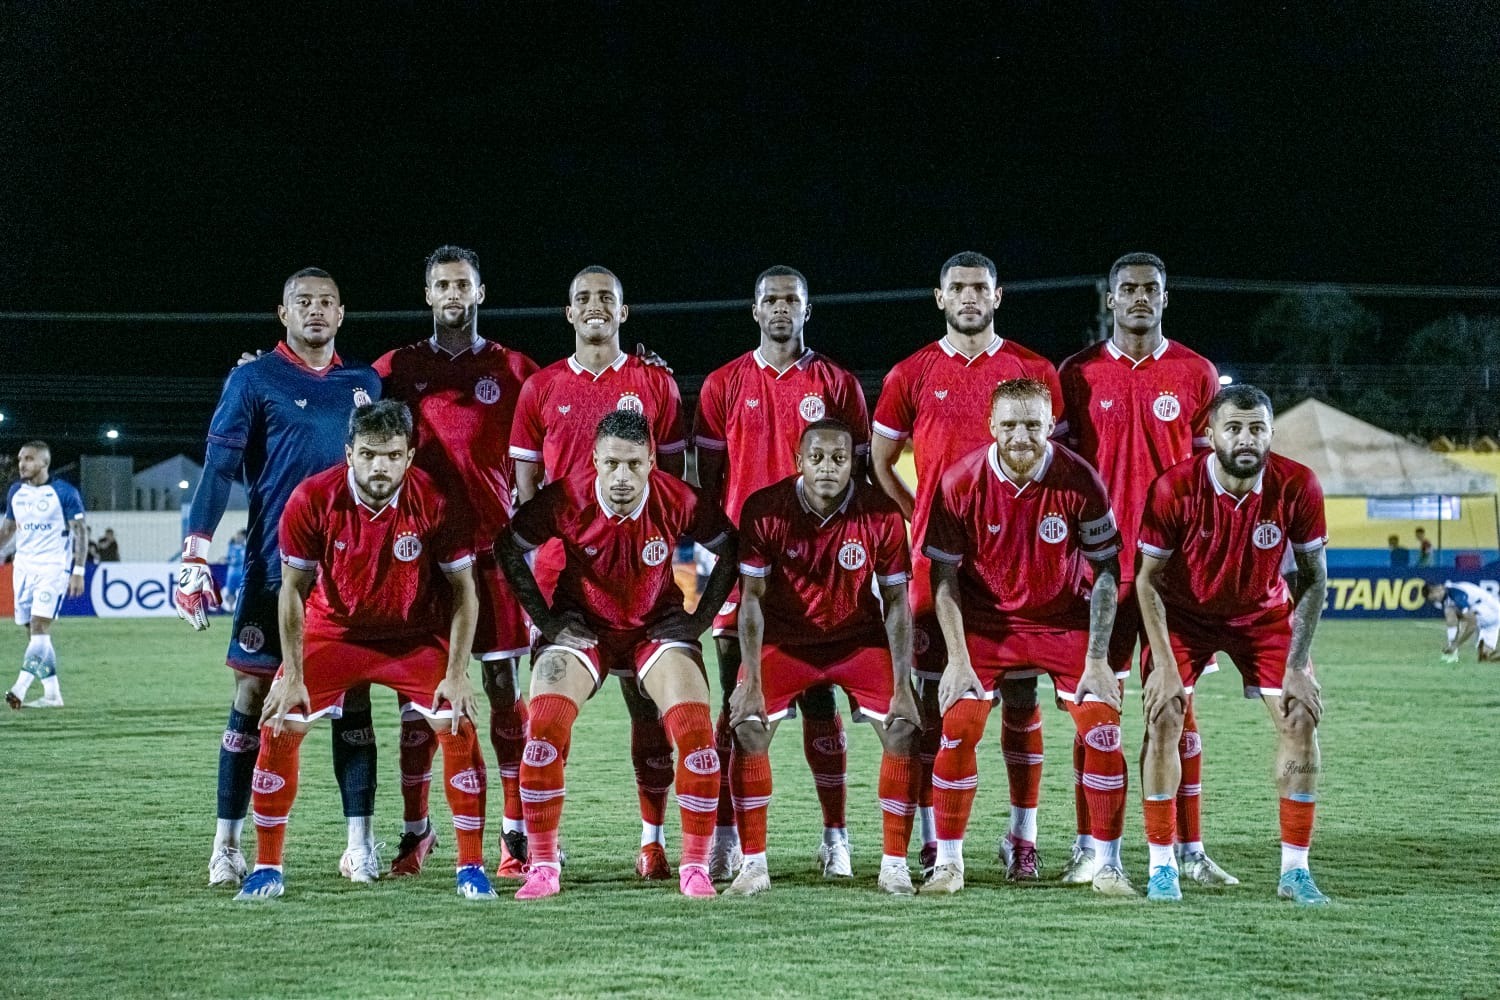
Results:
x,y
418,745
237,752
1296,829
1104,768
275,784
1189,797
508,737
750,777
825,746
464,782
955,773
651,756
692,732
354,762
542,789
898,805
724,741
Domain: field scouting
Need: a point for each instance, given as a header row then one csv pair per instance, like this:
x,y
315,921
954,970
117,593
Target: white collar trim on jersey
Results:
x,y
954,352
1213,477
802,499
475,345
390,505
579,369
609,511
1036,477
802,362
1134,363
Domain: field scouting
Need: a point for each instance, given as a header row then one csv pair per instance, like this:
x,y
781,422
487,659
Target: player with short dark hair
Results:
x,y
940,399
1469,611
751,414
617,608
364,546
1213,541
281,418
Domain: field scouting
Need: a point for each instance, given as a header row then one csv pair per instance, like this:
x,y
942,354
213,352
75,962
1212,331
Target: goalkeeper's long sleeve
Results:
x,y
221,467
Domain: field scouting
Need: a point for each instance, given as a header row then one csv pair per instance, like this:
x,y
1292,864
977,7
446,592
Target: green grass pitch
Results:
x,y
106,817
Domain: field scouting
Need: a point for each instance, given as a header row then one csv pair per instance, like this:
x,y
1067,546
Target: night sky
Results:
x,y
157,161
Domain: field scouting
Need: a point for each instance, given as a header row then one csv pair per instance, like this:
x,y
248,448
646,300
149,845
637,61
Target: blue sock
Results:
x,y
237,754
354,761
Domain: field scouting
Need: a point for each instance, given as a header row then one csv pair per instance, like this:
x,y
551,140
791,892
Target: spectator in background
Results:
x,y
234,571
1424,553
109,547
1400,555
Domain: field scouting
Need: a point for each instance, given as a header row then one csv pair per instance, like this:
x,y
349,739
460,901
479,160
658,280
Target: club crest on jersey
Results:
x,y
407,546
1267,535
655,552
631,403
301,403
852,554
340,544
539,753
993,529
812,408
43,505
752,403
487,391
361,397
1105,739
795,552
941,394
591,550
1166,407
267,782
251,639
705,761
1053,528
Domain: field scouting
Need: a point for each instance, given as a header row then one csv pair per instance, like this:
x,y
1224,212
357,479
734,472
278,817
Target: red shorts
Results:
x,y
929,651
862,670
1258,648
629,654
411,667
727,621
501,632
1058,654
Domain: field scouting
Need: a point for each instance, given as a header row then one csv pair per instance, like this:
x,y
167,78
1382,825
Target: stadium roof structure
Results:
x,y
1353,458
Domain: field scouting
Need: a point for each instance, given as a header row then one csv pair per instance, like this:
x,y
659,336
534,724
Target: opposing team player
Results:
x,y
939,398
1134,406
1212,541
50,552
751,414
1015,529
1469,611
463,391
814,547
280,418
618,608
366,547
553,438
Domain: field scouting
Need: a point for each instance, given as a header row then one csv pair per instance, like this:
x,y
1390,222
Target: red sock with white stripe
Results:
x,y
464,782
418,746
724,741
651,756
1189,790
692,732
824,745
1104,775
898,804
542,789
1021,746
750,777
508,738
1085,837
273,790
955,776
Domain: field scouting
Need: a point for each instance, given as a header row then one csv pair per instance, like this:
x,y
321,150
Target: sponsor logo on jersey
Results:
x,y
993,529
837,743
1192,744
361,397
407,546
539,753
252,639
564,408
795,552
812,407
752,403
340,545
487,391
852,555
1267,535
920,643
1166,407
705,761
941,394
359,737
301,403
43,505
631,403
416,736
239,742
266,782
1105,738
655,552
468,780
1053,528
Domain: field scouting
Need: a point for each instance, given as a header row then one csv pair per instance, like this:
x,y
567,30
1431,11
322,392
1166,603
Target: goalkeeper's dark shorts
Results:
x,y
255,639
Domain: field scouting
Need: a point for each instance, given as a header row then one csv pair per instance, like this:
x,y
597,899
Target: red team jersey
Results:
x,y
379,572
820,574
618,573
757,415
1223,555
561,406
1022,548
1133,420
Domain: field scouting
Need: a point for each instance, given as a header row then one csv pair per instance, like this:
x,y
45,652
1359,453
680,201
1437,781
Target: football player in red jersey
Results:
x,y
939,398
751,414
463,391
617,608
1213,541
1134,406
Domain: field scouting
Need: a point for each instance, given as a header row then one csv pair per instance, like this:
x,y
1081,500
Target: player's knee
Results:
x,y
1298,724
250,692
817,703
1166,729
752,736
499,680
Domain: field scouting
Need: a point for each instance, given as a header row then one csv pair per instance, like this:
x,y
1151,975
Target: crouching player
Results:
x,y
363,546
812,546
1014,527
1469,611
618,609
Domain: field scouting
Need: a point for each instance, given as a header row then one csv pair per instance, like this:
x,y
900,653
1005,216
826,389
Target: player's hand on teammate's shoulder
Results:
x,y
678,626
246,357
747,702
1098,680
1300,687
458,692
651,358
1160,689
568,629
280,700
959,679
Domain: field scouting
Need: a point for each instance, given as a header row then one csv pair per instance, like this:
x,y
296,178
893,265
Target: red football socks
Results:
x,y
417,749
898,805
823,743
1021,746
1189,797
542,787
464,783
750,776
955,773
1103,767
508,737
651,755
273,790
692,731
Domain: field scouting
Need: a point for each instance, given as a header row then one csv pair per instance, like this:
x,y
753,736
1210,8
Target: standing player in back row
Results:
x,y
751,416
940,397
1133,407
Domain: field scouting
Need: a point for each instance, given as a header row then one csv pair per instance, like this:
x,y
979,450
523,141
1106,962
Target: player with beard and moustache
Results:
x,y
281,418
751,416
1212,541
552,437
463,391
1134,406
939,398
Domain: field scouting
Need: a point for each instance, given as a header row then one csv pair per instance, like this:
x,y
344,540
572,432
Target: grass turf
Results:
x,y
106,817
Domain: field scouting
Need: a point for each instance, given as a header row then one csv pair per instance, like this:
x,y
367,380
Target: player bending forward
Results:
x,y
618,608
363,546
1213,538
1469,611
813,545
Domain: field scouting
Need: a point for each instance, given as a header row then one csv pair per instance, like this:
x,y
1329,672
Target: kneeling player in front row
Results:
x,y
363,546
617,608
812,546
1014,527
1469,611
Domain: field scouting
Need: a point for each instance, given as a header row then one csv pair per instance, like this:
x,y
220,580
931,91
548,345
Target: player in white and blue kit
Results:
x,y
281,418
1469,610
46,516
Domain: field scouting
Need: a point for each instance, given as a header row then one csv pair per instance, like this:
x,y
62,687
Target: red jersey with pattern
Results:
x,y
1021,548
463,405
821,573
1133,420
940,399
755,415
380,573
618,573
561,406
1224,554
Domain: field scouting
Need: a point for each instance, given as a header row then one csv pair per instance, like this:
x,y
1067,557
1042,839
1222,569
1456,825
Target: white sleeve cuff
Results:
x,y
1153,551
306,565
525,455
759,572
890,432
938,555
462,562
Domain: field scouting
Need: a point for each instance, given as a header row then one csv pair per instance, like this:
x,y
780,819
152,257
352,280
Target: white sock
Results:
x,y
508,825
835,835
1191,847
652,834
276,867
359,831
50,689
414,825
1292,857
1162,854
950,852
929,824
891,861
1109,852
1084,842
754,859
1023,824
227,833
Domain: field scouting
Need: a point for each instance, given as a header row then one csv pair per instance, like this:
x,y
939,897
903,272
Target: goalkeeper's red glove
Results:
x,y
196,594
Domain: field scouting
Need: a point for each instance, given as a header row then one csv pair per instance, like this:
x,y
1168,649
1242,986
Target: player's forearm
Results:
x,y
720,583
1154,617
1306,614
80,545
522,582
1467,627
528,478
1103,603
291,619
950,614
883,455
461,631
752,627
7,532
220,467
898,629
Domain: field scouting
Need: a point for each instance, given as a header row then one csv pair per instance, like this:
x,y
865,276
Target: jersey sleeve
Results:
x,y
536,521
710,526
298,534
526,430
892,557
384,364
1098,536
851,408
1307,524
9,494
1207,391
894,413
1161,530
1044,371
235,415
670,439
945,541
453,541
710,428
71,500
1075,400
758,543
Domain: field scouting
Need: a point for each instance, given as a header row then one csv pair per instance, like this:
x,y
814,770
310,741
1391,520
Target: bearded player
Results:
x,y
751,415
939,398
1212,543
617,608
1134,406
